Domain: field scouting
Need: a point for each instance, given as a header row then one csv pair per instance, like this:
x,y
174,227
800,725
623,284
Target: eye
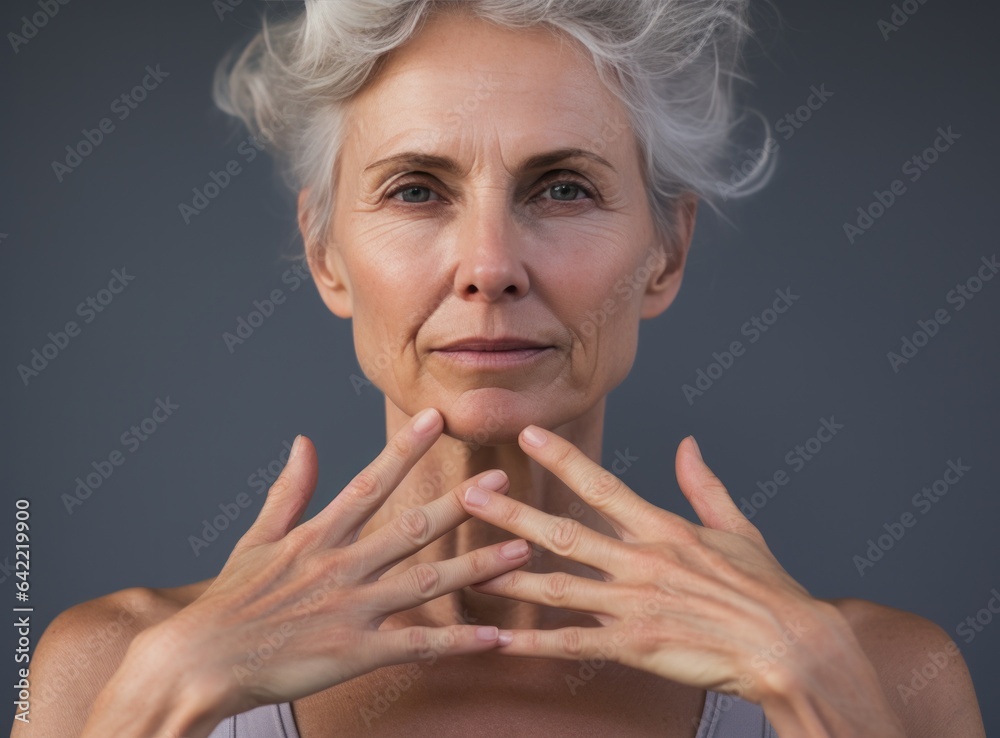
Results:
x,y
563,187
412,193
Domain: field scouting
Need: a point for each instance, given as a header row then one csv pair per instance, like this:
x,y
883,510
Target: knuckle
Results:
x,y
424,578
687,535
511,515
414,525
604,486
650,597
278,487
479,564
557,587
300,539
572,641
417,641
563,536
400,448
510,582
334,569
564,455
651,563
366,486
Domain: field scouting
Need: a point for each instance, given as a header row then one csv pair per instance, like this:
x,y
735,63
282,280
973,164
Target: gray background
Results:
x,y
826,356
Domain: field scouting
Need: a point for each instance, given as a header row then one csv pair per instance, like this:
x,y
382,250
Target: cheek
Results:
x,y
391,301
600,287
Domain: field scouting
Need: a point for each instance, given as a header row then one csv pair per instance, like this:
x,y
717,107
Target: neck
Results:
x,y
449,463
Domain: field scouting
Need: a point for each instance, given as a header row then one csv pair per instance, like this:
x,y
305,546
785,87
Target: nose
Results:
x,y
490,254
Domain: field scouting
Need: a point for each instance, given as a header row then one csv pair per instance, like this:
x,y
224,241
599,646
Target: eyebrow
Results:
x,y
433,161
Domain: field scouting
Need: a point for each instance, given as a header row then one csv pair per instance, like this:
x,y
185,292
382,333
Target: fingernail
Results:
x,y
494,480
487,632
696,447
505,638
533,436
295,447
514,549
426,420
476,496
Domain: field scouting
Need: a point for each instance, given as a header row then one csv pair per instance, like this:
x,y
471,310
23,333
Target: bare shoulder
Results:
x,y
83,647
920,666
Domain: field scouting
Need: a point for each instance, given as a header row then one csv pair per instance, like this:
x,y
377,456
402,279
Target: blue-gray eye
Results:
x,y
565,188
421,194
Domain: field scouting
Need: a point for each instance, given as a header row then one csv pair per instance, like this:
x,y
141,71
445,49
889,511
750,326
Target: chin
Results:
x,y
491,417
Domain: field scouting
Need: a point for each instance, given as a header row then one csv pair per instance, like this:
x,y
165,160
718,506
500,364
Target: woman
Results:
x,y
495,193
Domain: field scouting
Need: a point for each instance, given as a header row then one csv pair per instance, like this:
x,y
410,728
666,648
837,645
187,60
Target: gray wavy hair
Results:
x,y
673,64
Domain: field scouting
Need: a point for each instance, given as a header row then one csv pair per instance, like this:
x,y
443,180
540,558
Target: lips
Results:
x,y
494,344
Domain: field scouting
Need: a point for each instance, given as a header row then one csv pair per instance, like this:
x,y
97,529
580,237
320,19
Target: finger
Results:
x,y
426,581
423,642
562,536
624,510
288,497
573,642
557,589
416,527
340,521
707,494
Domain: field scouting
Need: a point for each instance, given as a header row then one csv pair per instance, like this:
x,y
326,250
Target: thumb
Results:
x,y
706,492
288,497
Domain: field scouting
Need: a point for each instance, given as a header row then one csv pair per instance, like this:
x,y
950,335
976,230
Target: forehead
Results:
x,y
461,78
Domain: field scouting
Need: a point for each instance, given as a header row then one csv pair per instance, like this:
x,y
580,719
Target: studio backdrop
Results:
x,y
834,347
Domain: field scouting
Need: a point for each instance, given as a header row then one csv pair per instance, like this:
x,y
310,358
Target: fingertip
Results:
x,y
532,436
296,447
494,480
487,632
695,448
426,420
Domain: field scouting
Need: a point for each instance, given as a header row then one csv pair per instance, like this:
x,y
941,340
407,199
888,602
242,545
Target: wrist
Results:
x,y
827,686
158,692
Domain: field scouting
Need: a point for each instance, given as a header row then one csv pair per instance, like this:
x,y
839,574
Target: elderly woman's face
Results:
x,y
490,188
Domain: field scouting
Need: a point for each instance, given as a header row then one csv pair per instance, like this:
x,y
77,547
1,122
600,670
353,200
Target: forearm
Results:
x,y
154,694
830,689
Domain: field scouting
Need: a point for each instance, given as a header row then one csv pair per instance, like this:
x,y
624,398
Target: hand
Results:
x,y
297,609
705,606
